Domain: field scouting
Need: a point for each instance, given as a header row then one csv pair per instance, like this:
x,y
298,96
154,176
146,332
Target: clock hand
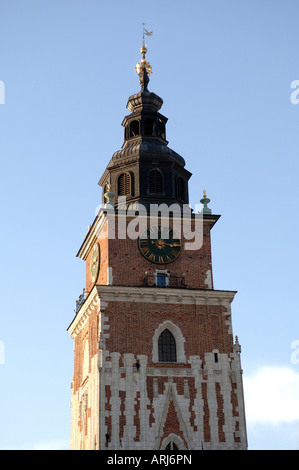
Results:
x,y
172,244
169,244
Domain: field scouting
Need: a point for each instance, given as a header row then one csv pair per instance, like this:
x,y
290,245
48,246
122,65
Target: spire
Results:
x,y
143,68
145,170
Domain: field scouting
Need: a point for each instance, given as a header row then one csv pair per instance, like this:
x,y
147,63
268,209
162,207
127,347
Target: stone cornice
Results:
x,y
83,314
165,295
101,295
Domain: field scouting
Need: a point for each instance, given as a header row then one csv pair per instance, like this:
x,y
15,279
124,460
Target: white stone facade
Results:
x,y
135,405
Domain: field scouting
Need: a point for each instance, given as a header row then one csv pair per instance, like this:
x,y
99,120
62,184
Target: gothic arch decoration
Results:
x,y
171,412
173,442
179,340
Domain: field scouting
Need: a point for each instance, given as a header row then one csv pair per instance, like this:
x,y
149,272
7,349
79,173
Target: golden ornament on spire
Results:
x,y
143,65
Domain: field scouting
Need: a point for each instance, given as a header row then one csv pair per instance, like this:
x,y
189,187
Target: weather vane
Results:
x,y
143,66
146,32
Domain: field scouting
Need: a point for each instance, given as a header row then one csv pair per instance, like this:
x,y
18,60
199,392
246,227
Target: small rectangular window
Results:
x,y
161,279
215,357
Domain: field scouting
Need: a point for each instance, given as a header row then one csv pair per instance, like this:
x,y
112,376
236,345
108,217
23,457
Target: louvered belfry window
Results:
x,y
155,182
124,185
166,347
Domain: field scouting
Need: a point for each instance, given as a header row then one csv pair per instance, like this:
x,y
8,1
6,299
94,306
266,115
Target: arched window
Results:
x,y
173,442
134,129
166,347
181,188
155,182
178,342
148,127
124,184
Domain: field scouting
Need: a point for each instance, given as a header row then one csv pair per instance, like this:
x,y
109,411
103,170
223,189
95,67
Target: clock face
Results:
x,y
159,244
95,263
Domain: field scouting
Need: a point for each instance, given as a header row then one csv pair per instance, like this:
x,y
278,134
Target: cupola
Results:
x,y
146,170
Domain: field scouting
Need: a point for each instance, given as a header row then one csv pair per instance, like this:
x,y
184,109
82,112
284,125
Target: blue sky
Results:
x,y
224,71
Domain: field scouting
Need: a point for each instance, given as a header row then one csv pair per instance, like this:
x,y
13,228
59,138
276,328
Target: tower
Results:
x,y
155,363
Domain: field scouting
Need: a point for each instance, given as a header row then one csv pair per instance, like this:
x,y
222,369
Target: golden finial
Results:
x,y
205,193
143,65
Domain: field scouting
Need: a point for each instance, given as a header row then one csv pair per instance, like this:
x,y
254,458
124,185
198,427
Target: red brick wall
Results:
x,y
129,266
133,325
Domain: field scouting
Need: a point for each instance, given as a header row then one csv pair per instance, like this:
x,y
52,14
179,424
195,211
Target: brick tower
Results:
x,y
155,363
